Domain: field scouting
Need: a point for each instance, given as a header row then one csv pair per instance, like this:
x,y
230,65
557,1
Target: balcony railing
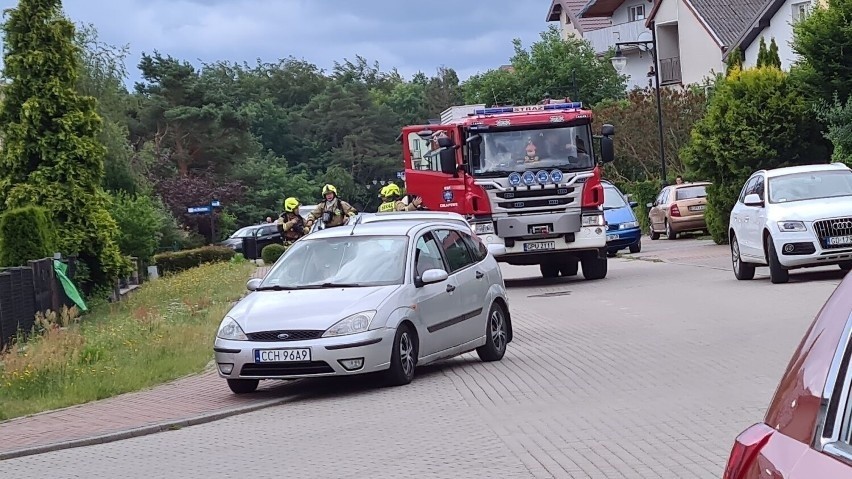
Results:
x,y
606,38
670,70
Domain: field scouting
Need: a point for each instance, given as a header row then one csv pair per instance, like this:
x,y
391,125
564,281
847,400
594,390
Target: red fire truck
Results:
x,y
527,178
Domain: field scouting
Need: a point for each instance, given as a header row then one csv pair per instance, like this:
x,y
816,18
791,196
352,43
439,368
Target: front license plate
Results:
x,y
543,246
282,355
839,240
697,208
611,237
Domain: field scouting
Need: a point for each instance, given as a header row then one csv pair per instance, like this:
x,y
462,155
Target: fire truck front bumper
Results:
x,y
589,238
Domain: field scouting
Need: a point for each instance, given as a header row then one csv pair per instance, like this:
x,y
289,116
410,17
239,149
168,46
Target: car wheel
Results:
x,y
549,269
742,271
777,273
611,254
568,267
846,265
654,235
669,233
243,386
636,247
594,267
496,335
403,357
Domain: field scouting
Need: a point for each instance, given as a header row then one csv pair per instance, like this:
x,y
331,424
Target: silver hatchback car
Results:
x,y
385,296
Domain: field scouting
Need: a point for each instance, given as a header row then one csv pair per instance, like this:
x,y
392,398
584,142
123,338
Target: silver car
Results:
x,y
384,296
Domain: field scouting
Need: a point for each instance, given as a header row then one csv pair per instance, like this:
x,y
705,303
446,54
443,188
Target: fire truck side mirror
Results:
x,y
607,130
607,150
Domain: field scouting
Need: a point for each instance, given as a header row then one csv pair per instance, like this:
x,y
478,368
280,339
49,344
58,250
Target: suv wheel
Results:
x,y
742,271
777,273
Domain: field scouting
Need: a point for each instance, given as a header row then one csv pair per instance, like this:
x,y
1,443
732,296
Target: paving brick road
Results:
x,y
650,373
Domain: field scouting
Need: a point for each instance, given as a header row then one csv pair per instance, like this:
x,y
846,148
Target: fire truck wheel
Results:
x,y
549,269
594,267
568,267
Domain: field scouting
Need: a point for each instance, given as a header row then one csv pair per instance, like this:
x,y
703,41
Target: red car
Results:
x,y
807,431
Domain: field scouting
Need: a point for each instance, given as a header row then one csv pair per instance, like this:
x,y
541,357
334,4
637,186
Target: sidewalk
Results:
x,y
186,401
687,251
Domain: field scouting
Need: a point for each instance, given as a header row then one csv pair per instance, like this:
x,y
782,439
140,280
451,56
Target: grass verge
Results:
x,y
163,331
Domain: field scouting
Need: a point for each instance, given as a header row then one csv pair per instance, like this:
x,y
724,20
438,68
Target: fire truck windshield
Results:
x,y
502,152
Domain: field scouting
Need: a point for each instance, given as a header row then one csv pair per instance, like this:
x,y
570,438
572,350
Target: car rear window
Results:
x,y
690,192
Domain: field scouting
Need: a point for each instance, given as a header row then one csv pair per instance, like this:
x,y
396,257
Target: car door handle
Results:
x,y
479,274
450,288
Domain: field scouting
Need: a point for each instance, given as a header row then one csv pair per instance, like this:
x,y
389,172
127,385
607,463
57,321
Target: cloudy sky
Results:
x,y
470,36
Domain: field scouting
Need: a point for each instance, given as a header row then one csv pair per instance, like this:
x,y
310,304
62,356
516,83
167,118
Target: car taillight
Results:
x,y
675,211
745,449
593,194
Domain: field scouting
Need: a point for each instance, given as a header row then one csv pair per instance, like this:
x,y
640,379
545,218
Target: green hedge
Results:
x,y
25,234
172,262
271,253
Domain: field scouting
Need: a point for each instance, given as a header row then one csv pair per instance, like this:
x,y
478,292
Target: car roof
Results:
x,y
692,183
413,215
400,227
789,170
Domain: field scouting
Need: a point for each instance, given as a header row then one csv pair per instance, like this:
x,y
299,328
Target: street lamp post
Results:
x,y
619,61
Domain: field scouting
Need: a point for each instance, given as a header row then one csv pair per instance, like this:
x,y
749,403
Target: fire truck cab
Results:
x,y
527,178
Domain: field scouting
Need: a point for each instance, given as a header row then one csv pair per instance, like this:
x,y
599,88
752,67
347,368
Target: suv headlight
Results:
x,y
791,226
483,228
229,329
356,323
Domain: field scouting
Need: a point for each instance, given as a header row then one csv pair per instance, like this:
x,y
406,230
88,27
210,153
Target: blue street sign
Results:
x,y
198,209
215,204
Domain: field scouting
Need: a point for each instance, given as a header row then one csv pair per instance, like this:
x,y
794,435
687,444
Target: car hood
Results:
x,y
305,308
617,216
231,241
811,210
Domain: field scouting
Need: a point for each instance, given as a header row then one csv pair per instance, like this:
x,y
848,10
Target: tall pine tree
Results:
x,y
735,60
51,155
762,54
772,57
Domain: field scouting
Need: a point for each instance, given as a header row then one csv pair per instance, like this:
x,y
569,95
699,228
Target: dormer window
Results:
x,y
636,13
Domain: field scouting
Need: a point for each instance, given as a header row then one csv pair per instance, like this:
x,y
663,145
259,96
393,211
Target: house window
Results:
x,y
800,10
636,13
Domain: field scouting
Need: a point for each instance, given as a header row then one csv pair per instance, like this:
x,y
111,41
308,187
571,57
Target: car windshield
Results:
x,y
613,199
503,152
810,186
690,192
351,261
243,232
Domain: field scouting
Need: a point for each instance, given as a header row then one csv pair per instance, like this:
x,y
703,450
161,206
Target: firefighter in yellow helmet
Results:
x,y
332,211
392,197
290,224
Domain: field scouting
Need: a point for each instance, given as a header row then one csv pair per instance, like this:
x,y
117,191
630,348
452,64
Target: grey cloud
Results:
x,y
468,36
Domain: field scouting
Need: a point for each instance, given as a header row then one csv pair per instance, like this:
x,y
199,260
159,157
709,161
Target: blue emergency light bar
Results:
x,y
529,108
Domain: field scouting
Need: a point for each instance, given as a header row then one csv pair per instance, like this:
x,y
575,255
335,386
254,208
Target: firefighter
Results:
x,y
332,211
393,200
290,224
387,201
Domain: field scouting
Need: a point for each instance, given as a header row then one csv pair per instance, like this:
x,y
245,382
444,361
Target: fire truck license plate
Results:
x,y
542,246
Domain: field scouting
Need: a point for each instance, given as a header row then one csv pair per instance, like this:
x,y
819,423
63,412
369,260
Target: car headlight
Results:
x,y
483,228
229,329
791,226
593,220
628,225
356,323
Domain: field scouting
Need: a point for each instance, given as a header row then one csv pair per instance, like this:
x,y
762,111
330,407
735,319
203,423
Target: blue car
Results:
x,y
622,227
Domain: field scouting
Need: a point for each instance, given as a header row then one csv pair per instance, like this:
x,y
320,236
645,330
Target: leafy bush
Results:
x,y
271,253
757,119
25,234
140,223
173,262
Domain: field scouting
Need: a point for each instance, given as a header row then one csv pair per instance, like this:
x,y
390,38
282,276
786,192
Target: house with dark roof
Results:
x,y
628,25
693,36
565,12
774,20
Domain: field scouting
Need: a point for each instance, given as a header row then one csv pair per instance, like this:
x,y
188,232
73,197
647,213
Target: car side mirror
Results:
x,y
431,276
253,284
753,200
607,150
649,205
633,204
607,129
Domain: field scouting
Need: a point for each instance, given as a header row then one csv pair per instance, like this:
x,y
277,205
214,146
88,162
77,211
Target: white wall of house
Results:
x,y
781,28
699,54
566,28
637,69
630,11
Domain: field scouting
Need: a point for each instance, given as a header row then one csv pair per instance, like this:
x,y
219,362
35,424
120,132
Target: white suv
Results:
x,y
794,217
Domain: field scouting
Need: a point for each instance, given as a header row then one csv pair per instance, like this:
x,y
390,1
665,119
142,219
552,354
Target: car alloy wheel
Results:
x,y
406,354
496,333
741,270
